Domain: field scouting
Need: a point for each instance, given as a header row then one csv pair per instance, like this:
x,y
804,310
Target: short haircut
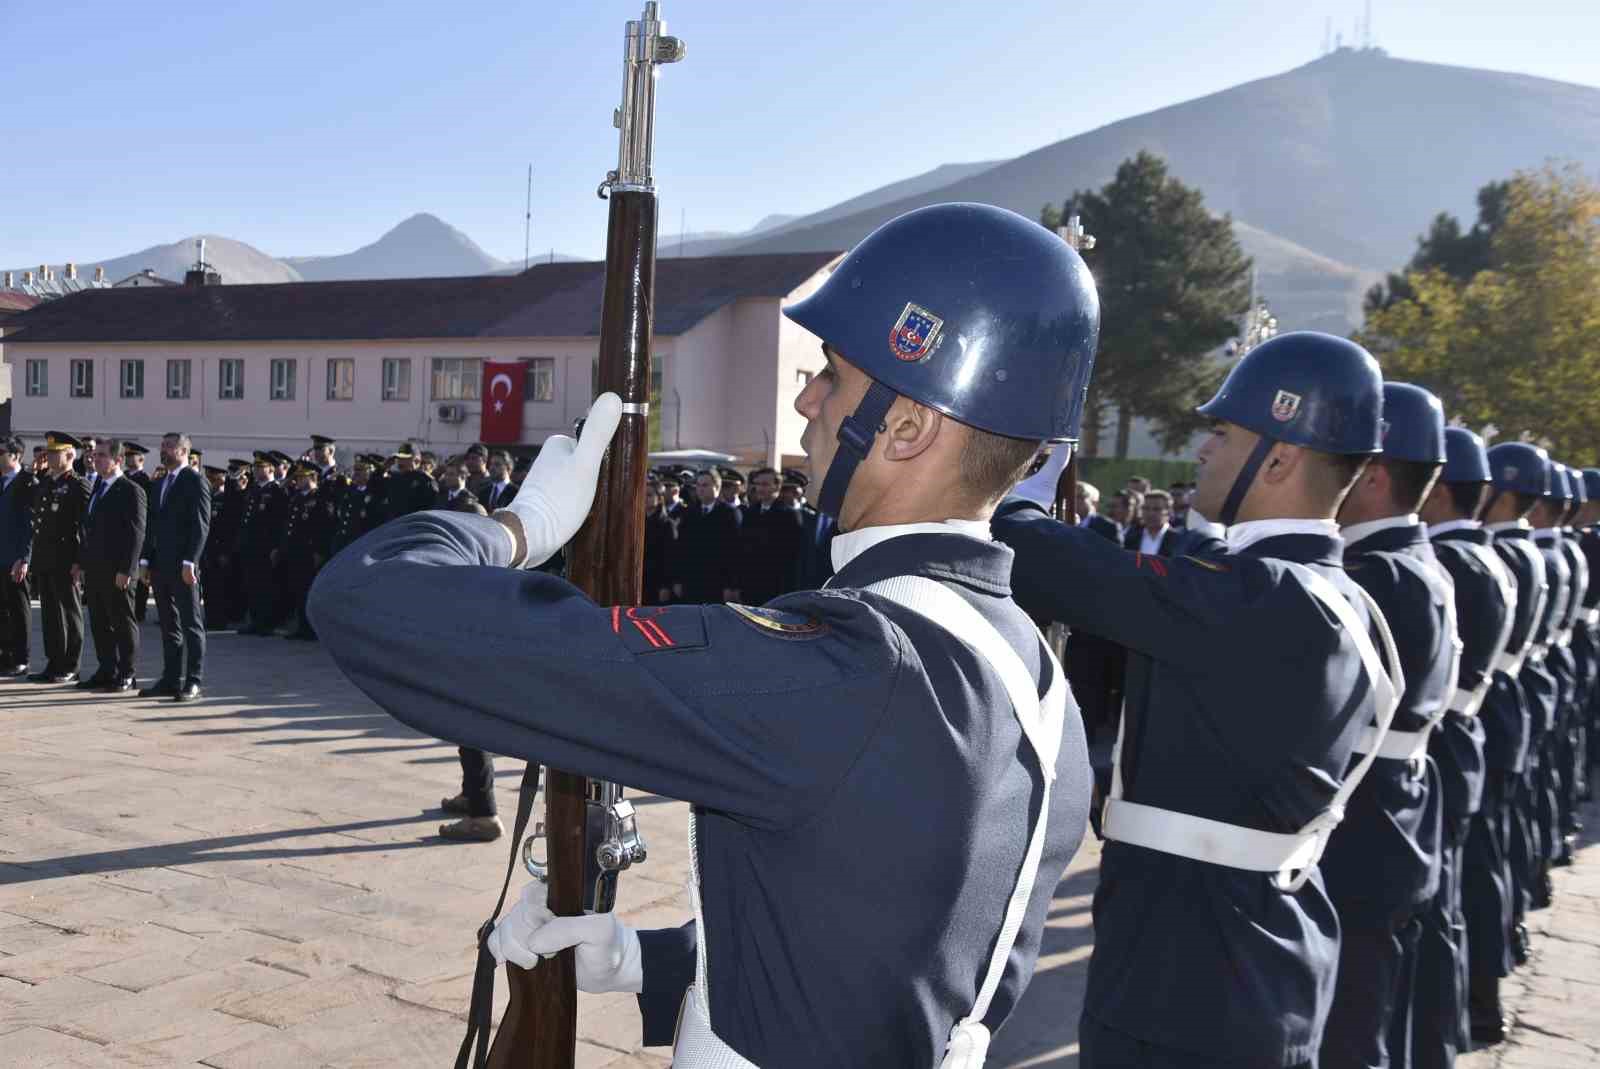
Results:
x,y
991,464
14,446
1409,481
183,439
1090,491
112,446
1132,498
759,472
1160,496
715,476
502,456
1139,483
1467,498
1336,473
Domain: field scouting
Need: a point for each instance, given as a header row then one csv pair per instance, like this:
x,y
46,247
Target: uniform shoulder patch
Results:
x,y
1208,565
778,623
659,628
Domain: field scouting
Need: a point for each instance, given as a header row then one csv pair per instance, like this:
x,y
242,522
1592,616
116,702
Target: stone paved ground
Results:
x,y
252,881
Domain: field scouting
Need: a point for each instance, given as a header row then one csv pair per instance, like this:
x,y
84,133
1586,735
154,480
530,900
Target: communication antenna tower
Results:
x,y
527,220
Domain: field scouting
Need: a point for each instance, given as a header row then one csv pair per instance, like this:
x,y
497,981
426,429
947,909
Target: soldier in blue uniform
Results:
x,y
260,534
911,705
1471,918
1545,680
1519,477
1251,676
1588,634
1574,668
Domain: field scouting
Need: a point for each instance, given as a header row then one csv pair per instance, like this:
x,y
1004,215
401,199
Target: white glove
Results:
x,y
608,955
1040,487
555,497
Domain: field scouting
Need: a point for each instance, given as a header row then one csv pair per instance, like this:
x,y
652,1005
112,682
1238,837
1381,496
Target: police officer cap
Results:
x,y
264,456
195,453
670,479
1560,487
323,439
1413,424
971,310
795,477
1465,460
212,469
1519,468
282,457
686,475
133,448
235,463
302,468
731,475
406,449
60,441
1308,389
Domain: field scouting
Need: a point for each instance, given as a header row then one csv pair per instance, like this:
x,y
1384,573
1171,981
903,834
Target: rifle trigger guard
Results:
x,y
539,870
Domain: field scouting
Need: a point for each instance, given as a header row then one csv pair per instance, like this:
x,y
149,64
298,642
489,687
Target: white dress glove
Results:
x,y
555,497
1040,487
608,955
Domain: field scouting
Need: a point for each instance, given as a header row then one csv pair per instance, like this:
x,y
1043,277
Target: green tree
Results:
x,y
1514,344
1446,247
1172,281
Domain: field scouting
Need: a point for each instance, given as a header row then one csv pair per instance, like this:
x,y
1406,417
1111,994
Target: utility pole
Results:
x,y
527,220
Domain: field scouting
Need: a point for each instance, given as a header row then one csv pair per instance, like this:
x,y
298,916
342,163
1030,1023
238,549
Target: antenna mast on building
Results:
x,y
1327,35
527,220
1366,28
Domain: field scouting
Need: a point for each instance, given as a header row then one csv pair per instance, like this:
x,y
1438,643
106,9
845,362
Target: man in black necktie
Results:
x,y
108,560
499,491
178,527
16,549
58,505
133,455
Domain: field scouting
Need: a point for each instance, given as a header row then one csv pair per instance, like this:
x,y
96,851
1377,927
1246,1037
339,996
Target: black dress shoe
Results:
x,y
95,682
1489,1032
14,670
41,677
120,686
159,689
188,693
64,677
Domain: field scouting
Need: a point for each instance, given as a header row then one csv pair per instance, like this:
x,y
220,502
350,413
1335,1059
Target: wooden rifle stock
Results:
x,y
606,558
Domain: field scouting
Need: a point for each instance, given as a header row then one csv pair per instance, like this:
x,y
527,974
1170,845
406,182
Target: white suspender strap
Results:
x,y
1413,745
1468,702
1291,855
1041,726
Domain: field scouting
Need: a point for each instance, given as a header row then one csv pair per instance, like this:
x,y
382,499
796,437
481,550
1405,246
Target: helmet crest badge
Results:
x,y
915,334
1285,405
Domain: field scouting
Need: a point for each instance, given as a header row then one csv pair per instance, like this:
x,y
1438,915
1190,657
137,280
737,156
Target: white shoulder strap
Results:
x,y
1041,725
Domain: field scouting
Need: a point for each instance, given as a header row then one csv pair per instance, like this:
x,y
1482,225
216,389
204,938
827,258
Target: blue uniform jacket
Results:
x,y
1382,863
1482,610
1244,701
1508,720
1541,683
16,520
859,779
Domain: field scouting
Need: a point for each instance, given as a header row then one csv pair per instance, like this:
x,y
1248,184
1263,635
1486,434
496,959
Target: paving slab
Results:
x,y
254,880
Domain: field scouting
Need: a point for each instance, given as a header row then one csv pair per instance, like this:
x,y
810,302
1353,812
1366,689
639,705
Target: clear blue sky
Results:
x,y
312,127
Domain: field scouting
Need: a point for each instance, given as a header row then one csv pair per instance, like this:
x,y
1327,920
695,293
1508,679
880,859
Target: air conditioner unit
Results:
x,y
452,413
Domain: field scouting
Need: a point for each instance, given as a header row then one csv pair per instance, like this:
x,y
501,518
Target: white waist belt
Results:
x,y
1510,663
1564,639
1395,745
1213,841
1468,702
1537,653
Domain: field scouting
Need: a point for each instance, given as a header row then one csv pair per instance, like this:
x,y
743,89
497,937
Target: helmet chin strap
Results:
x,y
1243,481
855,439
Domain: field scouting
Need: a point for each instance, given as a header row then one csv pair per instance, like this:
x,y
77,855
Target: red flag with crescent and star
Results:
x,y
502,402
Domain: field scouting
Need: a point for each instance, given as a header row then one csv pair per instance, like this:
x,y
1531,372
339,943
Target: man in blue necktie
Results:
x,y
178,528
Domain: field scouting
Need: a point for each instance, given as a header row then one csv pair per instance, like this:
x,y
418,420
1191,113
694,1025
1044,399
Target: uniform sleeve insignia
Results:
x,y
778,622
1208,565
652,628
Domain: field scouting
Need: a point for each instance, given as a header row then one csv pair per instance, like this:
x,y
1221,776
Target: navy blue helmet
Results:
x,y
1308,389
1560,486
1580,492
1466,461
1519,468
969,309
1591,483
1413,424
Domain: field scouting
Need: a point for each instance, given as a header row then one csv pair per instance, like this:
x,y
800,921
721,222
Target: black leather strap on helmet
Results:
x,y
856,434
1242,482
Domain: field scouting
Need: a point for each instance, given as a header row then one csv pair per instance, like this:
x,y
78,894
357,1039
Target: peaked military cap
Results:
x,y
280,457
795,477
323,439
406,449
235,463
730,475
264,456
60,441
133,447
212,469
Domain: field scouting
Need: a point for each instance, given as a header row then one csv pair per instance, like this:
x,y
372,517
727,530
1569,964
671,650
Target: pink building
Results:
x,y
371,363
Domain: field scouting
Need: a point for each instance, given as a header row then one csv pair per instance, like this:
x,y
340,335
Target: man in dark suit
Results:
x,y
133,455
1154,534
16,550
410,489
772,537
707,561
58,504
178,528
499,490
108,561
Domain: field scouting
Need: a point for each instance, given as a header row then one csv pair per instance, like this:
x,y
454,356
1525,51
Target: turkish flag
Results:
x,y
503,386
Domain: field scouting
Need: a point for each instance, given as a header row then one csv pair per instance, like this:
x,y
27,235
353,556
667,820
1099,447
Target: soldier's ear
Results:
x,y
910,430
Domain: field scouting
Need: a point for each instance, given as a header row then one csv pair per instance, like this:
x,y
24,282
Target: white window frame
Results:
x,y
541,379
281,379
460,376
37,378
80,381
180,378
397,378
132,379
230,379
341,386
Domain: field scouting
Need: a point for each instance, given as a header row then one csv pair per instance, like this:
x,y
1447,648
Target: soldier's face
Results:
x,y
216,482
360,474
825,403
451,480
264,472
705,488
789,496
1221,457
322,455
652,500
764,488
730,492
57,463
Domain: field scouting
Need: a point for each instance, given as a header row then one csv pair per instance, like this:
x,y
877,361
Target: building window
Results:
x,y
230,380
342,379
541,379
397,380
133,378
802,379
82,378
456,379
38,378
282,380
177,380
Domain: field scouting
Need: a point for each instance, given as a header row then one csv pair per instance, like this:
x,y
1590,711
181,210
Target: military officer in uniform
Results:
x,y
17,484
1545,677
935,717
1588,634
358,507
260,535
1578,669
1252,675
408,488
307,537
1465,952
59,502
133,461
